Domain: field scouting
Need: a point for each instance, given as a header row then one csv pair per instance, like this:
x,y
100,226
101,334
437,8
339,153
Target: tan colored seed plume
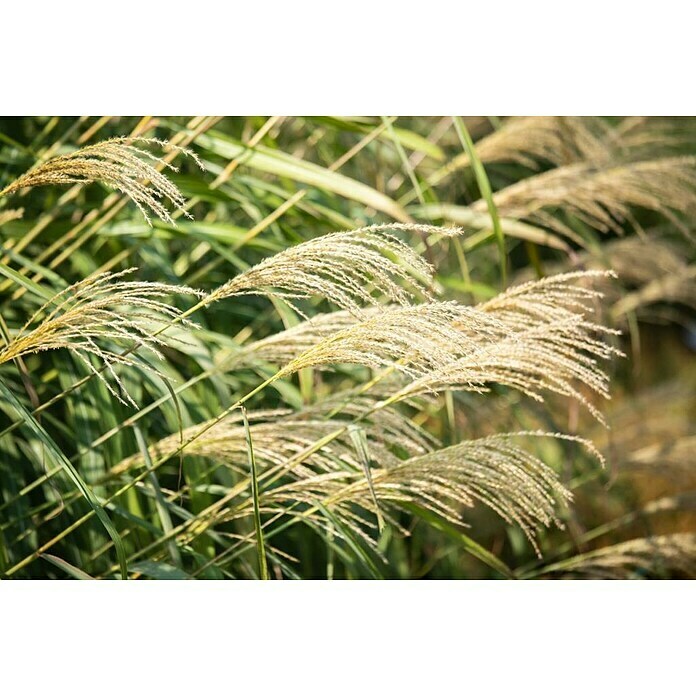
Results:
x,y
602,197
93,316
658,555
532,141
535,337
281,435
653,431
493,471
347,268
119,164
547,344
669,459
535,141
653,270
637,138
415,340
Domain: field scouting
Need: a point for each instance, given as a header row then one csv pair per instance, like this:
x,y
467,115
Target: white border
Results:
x,y
363,57
582,637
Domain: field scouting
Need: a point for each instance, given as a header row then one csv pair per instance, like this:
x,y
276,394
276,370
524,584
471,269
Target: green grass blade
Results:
x,y
404,160
405,137
359,553
159,571
284,165
60,459
485,188
26,283
160,503
468,544
69,568
359,440
260,548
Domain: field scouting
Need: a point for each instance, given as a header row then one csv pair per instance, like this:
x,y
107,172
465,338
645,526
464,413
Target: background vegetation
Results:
x,y
91,465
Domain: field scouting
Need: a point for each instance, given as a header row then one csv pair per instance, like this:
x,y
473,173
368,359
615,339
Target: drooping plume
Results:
x,y
93,316
347,268
118,164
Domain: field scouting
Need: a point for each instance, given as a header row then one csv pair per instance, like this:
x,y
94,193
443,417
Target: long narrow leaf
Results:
x,y
486,192
282,164
260,548
60,459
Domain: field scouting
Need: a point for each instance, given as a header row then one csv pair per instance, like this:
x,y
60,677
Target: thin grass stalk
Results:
x,y
98,508
260,548
486,192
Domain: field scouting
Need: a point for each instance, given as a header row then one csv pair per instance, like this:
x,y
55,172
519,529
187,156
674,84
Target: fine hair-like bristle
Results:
x,y
347,268
89,317
119,164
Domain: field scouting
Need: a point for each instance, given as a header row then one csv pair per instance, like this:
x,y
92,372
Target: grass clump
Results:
x,y
309,371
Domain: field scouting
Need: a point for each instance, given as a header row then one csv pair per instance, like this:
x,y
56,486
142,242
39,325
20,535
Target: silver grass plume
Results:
x,y
547,344
532,141
281,434
416,340
638,138
87,318
672,459
655,555
119,164
493,471
534,337
653,430
652,441
346,268
652,269
601,196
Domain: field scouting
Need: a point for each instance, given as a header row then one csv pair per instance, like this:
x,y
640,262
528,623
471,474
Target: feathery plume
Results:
x,y
534,337
493,471
638,138
546,344
652,270
656,271
281,434
665,459
656,555
561,141
120,165
653,430
345,267
415,340
602,197
534,140
531,140
86,317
